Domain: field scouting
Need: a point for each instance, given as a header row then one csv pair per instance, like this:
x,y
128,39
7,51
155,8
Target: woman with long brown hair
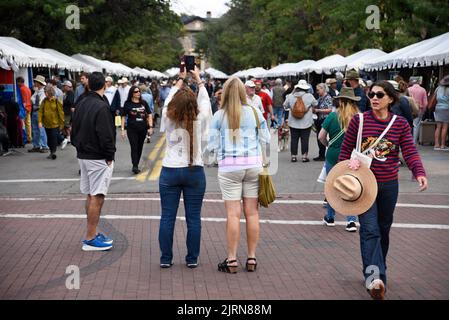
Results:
x,y
336,125
185,119
235,139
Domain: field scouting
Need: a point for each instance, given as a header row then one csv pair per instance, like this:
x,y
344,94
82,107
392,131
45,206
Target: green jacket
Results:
x,y
51,114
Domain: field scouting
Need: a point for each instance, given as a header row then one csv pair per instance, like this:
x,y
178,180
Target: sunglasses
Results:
x,y
137,91
378,94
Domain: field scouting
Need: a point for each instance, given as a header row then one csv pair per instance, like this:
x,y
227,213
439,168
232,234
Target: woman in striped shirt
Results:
x,y
375,224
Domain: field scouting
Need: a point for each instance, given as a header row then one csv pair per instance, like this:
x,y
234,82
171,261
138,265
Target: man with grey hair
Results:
x,y
278,102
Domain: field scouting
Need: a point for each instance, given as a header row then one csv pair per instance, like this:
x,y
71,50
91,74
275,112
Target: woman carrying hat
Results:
x,y
376,216
336,125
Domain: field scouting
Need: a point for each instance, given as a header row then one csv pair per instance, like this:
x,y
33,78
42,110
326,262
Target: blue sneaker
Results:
x,y
95,245
105,239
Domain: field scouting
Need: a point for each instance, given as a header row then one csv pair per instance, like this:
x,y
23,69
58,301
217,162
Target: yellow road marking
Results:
x,y
156,171
141,177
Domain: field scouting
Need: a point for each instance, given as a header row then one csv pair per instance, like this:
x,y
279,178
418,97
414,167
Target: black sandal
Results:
x,y
251,267
225,267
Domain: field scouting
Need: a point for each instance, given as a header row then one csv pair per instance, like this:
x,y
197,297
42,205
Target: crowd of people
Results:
x,y
360,126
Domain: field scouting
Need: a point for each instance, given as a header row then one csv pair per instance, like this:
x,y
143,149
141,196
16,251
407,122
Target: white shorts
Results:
x,y
239,184
95,176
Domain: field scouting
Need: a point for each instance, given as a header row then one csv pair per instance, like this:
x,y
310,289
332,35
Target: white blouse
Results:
x,y
177,153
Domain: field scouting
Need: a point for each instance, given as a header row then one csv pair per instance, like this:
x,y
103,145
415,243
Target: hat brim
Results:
x,y
302,87
444,81
349,97
369,190
39,81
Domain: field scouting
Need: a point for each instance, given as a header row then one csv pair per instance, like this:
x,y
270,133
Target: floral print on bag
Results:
x,y
383,148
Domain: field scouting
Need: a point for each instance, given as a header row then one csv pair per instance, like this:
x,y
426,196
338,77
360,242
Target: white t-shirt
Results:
x,y
123,94
177,153
110,93
255,102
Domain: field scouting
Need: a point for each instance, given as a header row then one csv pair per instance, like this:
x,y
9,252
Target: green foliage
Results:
x,y
268,32
134,32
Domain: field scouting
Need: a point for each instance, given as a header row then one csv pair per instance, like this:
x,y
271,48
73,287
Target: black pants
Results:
x,y
321,147
304,134
52,138
136,139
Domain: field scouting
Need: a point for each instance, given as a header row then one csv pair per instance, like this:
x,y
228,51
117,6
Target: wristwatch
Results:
x,y
179,78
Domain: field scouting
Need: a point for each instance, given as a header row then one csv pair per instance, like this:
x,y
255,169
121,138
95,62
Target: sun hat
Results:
x,y
120,81
348,93
302,84
109,78
348,191
40,79
330,81
395,84
250,84
352,74
67,83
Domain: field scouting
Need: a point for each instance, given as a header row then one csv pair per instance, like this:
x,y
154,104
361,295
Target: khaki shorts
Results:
x,y
239,184
95,176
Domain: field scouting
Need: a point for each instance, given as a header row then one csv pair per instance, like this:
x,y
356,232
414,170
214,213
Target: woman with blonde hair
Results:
x,y
336,125
235,137
51,117
185,120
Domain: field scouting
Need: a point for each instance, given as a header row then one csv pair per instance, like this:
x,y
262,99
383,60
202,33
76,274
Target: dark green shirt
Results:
x,y
332,126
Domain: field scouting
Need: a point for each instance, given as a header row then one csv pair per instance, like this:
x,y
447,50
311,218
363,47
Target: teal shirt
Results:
x,y
332,126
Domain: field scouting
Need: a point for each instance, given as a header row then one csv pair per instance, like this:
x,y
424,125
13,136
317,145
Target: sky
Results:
x,y
200,7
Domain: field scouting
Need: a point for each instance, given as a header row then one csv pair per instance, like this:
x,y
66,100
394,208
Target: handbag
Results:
x,y
267,192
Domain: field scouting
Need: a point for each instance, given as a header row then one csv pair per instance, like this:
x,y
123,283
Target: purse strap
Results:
x,y
342,132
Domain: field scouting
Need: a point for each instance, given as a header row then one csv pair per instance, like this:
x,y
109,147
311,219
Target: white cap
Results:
x,y
125,80
67,83
108,78
250,84
120,81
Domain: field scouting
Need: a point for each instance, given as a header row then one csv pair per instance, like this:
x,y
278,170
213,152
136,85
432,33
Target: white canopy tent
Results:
x,y
172,72
255,72
358,59
156,74
25,55
288,69
216,74
325,65
97,65
75,65
141,72
430,52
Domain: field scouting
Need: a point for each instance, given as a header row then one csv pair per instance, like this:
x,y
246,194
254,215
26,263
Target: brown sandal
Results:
x,y
225,267
251,267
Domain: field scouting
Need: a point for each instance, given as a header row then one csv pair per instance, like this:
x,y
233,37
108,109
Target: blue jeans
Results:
x,y
192,183
330,210
375,227
39,134
279,115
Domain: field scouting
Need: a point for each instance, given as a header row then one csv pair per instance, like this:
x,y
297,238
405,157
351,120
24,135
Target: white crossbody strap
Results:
x,y
358,146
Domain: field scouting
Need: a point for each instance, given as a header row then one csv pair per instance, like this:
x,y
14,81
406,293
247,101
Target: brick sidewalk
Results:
x,y
295,261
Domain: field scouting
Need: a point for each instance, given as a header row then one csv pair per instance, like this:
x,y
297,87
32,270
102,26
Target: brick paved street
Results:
x,y
296,261
42,224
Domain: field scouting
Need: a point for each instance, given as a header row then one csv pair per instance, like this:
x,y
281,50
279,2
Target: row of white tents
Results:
x,y
430,52
22,55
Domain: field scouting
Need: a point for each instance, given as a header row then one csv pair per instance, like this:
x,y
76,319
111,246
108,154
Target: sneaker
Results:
x,y
105,239
166,265
64,143
351,226
43,150
328,222
148,139
192,265
34,149
95,245
377,289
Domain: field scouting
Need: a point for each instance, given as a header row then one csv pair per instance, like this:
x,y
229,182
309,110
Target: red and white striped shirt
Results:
x,y
398,138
